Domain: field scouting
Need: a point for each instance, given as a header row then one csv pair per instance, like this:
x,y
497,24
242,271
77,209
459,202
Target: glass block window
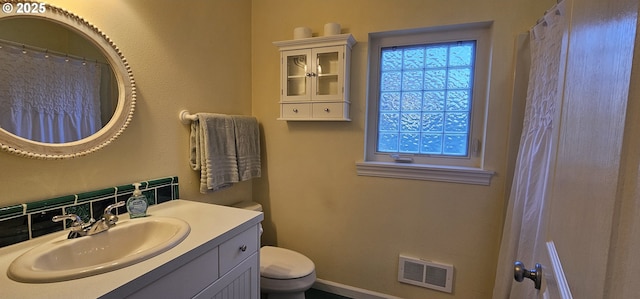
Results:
x,y
425,98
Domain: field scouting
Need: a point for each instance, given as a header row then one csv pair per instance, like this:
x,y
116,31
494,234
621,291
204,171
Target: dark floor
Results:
x,y
317,294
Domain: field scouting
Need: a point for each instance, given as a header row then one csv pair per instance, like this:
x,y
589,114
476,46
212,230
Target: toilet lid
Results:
x,y
280,263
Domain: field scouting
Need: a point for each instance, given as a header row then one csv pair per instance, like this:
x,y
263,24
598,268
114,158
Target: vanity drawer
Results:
x,y
327,110
237,249
296,110
184,281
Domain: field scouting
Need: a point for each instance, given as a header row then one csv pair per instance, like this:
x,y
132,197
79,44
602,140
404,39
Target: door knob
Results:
x,y
520,273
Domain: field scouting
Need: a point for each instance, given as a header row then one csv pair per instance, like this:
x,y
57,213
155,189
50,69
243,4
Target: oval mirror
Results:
x,y
66,90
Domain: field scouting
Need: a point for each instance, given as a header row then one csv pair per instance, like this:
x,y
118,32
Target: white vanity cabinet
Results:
x,y
228,271
314,78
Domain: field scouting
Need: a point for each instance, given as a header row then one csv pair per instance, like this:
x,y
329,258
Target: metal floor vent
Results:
x,y
425,274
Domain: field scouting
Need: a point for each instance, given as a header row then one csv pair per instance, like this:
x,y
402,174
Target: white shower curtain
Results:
x,y
48,98
524,229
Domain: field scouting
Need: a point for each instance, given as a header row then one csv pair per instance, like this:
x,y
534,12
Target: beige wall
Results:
x,y
355,227
218,56
193,55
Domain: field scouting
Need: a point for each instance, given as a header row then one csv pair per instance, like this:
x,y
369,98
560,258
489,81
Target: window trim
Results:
x,y
436,168
449,174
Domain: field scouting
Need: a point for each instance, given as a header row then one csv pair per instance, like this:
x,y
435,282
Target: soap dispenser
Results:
x,y
137,203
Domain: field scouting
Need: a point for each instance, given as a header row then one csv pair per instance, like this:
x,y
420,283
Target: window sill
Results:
x,y
463,175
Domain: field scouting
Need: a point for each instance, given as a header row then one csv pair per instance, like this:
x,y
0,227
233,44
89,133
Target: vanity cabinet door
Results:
x,y
242,282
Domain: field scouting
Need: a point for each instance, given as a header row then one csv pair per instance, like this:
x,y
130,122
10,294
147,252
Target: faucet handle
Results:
x,y
109,208
109,217
73,217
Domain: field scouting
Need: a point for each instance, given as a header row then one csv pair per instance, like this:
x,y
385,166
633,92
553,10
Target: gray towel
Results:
x,y
225,149
247,147
214,151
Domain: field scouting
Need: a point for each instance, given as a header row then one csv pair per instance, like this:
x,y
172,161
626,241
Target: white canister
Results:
x,y
331,29
301,32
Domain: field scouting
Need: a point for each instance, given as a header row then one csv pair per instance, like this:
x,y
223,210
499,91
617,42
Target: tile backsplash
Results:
x,y
26,221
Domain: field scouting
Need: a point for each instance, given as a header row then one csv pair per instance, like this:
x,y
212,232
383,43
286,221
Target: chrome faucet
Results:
x,y
80,229
108,220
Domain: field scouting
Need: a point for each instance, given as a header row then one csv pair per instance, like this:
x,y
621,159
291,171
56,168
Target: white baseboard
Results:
x,y
349,291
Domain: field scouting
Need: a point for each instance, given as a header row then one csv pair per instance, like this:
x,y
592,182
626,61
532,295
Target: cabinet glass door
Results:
x,y
328,72
297,72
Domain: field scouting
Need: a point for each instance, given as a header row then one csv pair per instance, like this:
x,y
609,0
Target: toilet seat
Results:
x,y
283,264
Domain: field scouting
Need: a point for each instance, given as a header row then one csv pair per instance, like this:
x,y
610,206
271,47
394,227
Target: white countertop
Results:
x,y
210,226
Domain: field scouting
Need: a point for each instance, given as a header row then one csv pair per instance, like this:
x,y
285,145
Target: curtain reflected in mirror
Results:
x,y
62,109
50,98
55,86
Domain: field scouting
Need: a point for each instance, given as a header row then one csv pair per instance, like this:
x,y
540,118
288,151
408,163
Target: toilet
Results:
x,y
284,273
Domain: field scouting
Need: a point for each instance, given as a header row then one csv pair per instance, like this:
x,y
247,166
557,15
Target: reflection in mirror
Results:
x,y
55,86
66,90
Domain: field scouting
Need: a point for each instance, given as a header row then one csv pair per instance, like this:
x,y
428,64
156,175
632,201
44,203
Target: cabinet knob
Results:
x,y
243,248
326,109
309,74
295,110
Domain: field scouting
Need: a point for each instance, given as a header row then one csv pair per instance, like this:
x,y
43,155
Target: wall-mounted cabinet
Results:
x,y
314,78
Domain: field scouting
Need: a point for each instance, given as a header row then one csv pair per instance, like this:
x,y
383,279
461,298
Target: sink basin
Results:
x,y
129,242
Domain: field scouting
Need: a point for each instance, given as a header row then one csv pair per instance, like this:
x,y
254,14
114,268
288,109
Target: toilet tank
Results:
x,y
248,205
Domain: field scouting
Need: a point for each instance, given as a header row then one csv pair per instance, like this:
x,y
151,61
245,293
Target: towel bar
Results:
x,y
186,117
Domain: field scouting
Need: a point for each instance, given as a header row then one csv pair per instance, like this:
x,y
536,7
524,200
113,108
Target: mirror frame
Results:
x,y
125,82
